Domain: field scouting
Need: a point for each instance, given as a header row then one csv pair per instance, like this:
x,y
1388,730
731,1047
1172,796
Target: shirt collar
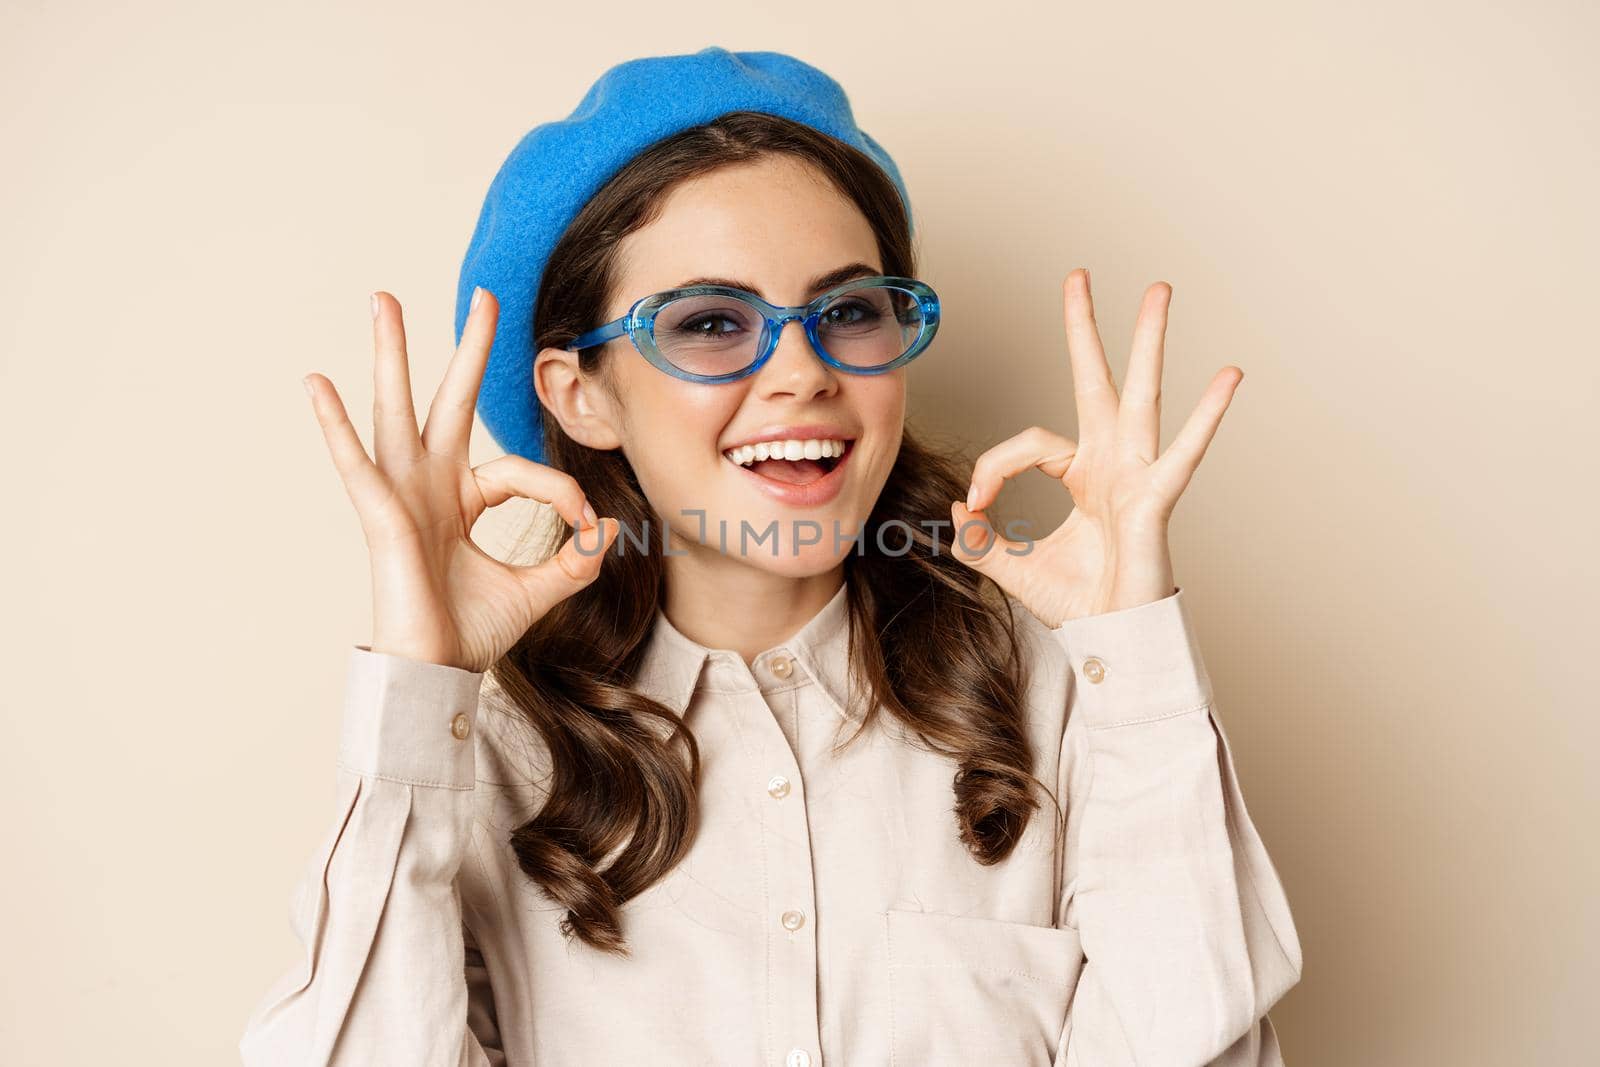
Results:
x,y
672,666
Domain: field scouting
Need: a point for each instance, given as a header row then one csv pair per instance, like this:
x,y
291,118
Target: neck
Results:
x,y
722,601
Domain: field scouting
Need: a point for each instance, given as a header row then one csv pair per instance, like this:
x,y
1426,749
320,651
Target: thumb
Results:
x,y
572,568
983,548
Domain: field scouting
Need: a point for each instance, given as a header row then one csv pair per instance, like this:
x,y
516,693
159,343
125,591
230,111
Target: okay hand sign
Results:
x,y
437,596
1111,552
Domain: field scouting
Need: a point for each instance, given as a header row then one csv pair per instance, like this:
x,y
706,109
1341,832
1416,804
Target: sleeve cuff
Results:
x,y
1135,664
408,720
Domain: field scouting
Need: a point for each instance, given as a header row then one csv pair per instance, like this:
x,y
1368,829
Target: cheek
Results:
x,y
881,399
672,427
881,406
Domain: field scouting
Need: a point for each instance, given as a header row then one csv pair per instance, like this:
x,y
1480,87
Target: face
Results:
x,y
774,227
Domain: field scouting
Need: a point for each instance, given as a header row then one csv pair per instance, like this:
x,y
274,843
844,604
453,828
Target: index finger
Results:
x,y
1034,447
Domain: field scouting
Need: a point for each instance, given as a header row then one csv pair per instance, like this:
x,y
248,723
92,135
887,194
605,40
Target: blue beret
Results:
x,y
557,166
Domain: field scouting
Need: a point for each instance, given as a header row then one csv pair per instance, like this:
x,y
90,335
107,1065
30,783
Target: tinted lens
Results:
x,y
715,335
870,326
708,334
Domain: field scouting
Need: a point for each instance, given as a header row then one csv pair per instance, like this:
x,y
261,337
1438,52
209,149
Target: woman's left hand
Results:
x,y
1111,552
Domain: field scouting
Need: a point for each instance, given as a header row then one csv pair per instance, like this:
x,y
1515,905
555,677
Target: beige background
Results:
x,y
1383,212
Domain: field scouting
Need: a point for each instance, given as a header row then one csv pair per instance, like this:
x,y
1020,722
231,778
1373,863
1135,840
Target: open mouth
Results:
x,y
798,461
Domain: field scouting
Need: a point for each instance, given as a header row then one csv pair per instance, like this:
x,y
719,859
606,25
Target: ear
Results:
x,y
576,400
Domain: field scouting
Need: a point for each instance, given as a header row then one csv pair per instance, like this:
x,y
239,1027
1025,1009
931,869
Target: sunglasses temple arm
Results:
x,y
599,335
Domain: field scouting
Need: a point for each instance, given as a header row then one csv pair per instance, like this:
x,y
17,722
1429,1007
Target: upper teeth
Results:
x,y
811,448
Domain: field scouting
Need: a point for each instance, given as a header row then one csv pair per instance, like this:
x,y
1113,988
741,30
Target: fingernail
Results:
x,y
306,381
1087,286
477,295
972,499
588,513
373,300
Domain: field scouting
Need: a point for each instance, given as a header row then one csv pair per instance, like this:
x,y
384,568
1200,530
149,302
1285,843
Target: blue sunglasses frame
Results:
x,y
639,326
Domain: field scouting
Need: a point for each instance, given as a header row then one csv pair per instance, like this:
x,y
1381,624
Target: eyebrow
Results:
x,y
820,283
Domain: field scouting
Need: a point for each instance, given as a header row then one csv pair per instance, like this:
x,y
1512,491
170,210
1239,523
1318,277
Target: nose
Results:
x,y
794,368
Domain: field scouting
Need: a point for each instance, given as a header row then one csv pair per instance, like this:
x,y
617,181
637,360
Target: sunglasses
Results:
x,y
713,333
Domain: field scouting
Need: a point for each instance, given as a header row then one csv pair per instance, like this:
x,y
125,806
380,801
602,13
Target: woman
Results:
x,y
800,768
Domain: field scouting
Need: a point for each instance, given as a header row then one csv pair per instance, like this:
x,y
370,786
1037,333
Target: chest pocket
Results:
x,y
966,990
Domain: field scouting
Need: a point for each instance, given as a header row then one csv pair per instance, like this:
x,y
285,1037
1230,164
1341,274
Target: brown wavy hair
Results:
x,y
934,642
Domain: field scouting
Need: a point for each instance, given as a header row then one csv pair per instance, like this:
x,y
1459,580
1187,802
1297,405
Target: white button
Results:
x,y
793,920
1094,670
778,786
798,1057
782,666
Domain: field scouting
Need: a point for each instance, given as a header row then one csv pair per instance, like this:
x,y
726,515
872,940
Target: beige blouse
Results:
x,y
827,913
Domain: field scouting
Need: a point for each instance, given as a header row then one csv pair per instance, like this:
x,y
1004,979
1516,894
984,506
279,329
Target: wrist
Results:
x,y
1145,593
417,652
1142,574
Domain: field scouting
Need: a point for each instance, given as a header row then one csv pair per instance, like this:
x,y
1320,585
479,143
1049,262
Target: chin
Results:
x,y
808,563
796,542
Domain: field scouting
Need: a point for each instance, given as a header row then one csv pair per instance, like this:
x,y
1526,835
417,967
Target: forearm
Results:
x,y
380,978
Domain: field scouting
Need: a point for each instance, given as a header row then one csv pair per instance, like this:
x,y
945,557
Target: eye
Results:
x,y
705,325
848,312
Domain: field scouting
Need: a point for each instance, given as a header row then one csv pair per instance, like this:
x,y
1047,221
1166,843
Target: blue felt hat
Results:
x,y
557,166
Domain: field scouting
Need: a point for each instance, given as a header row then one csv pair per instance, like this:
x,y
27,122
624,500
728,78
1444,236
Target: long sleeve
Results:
x,y
1185,927
386,972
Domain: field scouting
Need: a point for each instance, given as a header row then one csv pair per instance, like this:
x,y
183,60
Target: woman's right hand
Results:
x,y
436,596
